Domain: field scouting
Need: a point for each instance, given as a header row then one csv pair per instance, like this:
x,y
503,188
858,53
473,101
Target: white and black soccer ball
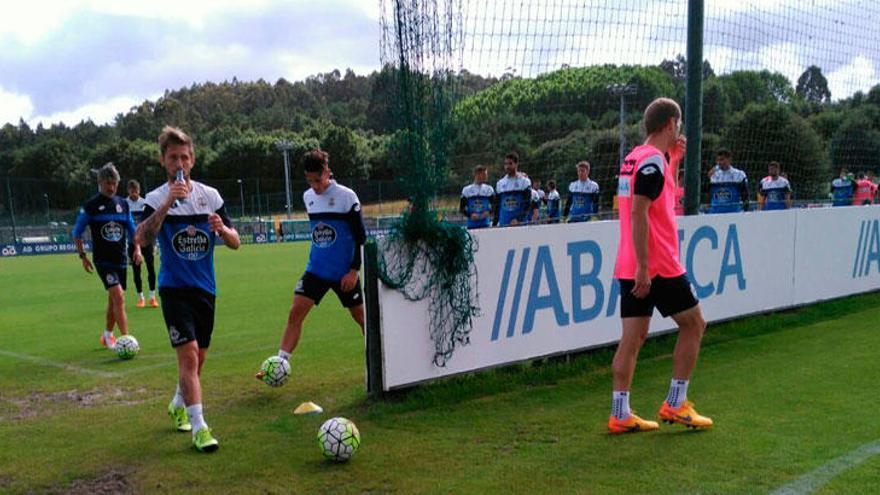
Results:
x,y
275,371
127,347
338,439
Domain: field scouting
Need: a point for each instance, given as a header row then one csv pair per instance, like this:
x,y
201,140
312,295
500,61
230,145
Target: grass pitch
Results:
x,y
788,392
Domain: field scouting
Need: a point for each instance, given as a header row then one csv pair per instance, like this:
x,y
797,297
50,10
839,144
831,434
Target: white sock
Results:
x,y
107,336
195,417
178,401
152,294
284,354
141,296
678,392
620,405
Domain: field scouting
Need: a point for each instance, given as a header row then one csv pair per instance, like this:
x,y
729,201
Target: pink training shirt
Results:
x,y
864,193
646,172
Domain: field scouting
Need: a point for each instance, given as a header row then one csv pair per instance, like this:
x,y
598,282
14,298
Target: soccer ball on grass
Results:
x,y
338,439
127,347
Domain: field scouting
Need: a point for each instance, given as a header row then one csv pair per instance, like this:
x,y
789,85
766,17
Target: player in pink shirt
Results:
x,y
650,273
865,191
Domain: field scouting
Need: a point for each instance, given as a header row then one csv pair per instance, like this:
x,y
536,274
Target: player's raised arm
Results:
x,y
147,231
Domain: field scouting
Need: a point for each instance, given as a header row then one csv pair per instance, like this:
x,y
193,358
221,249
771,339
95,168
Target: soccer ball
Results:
x,y
338,439
127,347
275,371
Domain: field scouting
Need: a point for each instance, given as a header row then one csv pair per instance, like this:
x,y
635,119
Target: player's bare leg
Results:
x,y
117,302
676,408
293,330
357,314
622,420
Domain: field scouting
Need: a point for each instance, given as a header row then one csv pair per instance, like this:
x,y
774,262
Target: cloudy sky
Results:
x,y
75,59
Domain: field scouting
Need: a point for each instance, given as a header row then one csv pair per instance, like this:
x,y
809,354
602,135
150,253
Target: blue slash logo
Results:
x,y
867,249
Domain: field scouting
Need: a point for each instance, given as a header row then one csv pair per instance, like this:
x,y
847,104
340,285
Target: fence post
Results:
x,y
11,210
694,107
373,332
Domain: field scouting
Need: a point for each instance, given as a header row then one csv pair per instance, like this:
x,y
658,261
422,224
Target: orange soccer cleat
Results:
x,y
111,344
684,415
632,424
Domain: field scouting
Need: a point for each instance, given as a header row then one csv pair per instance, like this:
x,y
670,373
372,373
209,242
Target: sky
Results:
x,y
78,59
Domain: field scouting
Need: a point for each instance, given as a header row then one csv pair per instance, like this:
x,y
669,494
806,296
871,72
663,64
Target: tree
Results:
x,y
856,144
812,86
771,132
677,68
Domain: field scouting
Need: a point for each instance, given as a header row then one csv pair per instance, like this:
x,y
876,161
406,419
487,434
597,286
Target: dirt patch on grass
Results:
x,y
39,404
115,481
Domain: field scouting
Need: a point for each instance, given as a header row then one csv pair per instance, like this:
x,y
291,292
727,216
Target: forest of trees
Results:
x,y
552,121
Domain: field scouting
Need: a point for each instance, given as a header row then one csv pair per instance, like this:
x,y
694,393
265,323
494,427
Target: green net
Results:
x,y
423,256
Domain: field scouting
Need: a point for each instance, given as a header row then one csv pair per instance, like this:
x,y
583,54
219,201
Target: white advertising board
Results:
x,y
549,289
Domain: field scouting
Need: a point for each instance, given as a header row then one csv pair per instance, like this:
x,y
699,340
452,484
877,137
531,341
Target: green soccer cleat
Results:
x,y
179,417
203,441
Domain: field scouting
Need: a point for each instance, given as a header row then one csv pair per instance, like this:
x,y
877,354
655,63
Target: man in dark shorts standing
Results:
x,y
650,273
112,228
187,216
335,255
136,207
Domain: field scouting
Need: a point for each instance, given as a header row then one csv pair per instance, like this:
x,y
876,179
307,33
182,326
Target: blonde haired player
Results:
x,y
650,273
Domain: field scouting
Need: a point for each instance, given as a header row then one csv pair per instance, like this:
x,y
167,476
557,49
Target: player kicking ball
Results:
x,y
650,273
335,255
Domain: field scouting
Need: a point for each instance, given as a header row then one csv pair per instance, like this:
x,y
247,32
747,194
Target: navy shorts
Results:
x,y
314,287
669,295
189,315
112,275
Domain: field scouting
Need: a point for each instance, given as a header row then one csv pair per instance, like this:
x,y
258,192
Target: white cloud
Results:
x,y
14,106
100,112
29,21
857,75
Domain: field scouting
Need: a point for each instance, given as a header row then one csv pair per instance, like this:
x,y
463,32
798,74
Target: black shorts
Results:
x,y
314,287
111,275
189,315
669,295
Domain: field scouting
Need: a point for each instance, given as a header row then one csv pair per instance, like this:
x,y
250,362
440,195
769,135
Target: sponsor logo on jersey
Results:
x,y
723,195
111,232
323,235
511,203
191,243
623,189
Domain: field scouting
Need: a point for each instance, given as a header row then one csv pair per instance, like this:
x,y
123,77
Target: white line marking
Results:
x,y
819,477
64,366
169,360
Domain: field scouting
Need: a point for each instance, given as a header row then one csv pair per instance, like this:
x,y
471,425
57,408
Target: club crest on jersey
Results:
x,y
331,202
191,243
323,235
202,202
118,208
111,232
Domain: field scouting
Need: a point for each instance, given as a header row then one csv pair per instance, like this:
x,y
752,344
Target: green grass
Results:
x,y
788,393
